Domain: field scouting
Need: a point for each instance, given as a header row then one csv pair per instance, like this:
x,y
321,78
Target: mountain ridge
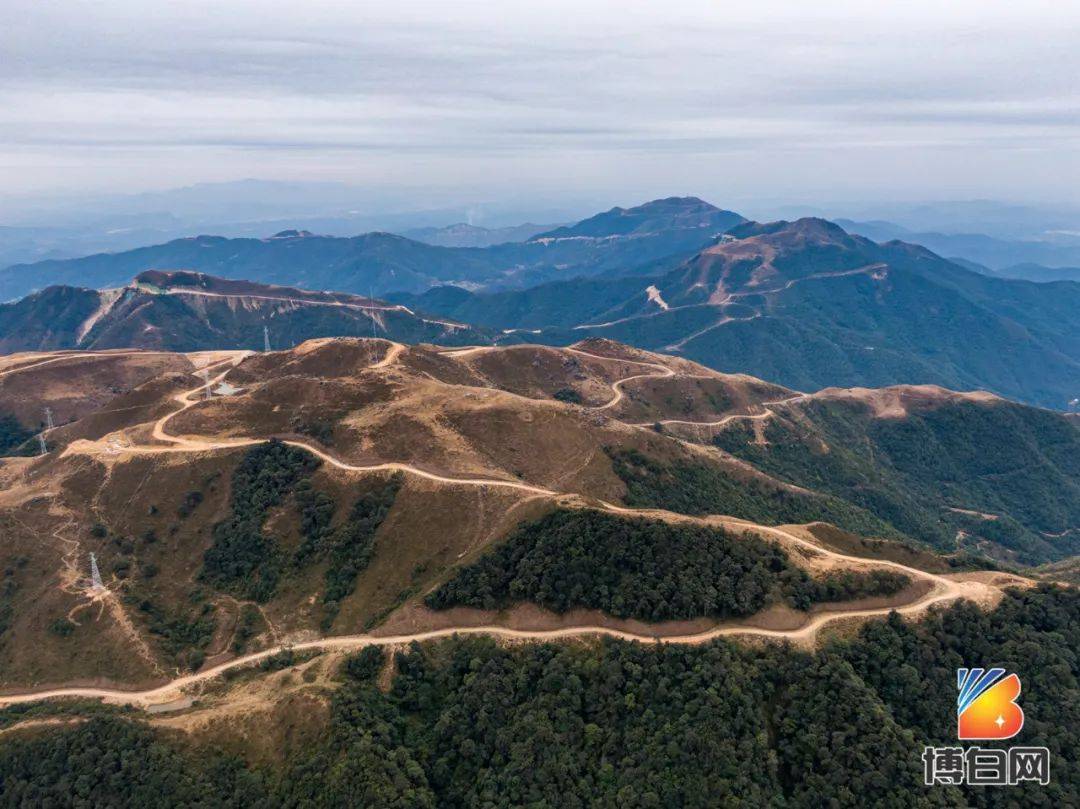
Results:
x,y
802,303
187,311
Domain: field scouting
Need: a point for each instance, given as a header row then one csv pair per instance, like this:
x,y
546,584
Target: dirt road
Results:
x,y
175,688
616,387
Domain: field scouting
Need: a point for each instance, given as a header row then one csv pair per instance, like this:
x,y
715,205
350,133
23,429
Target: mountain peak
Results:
x,y
763,258
673,203
292,234
166,279
670,213
809,227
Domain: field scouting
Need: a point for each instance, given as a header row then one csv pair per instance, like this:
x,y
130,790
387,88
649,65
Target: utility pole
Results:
x,y
266,339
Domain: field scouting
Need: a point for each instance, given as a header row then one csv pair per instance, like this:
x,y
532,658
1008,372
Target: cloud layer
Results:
x,y
727,100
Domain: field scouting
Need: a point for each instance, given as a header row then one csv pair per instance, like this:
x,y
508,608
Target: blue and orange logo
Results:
x,y
986,707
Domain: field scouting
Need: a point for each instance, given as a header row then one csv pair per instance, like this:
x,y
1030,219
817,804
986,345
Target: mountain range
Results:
x,y
807,305
237,500
804,304
1001,254
375,263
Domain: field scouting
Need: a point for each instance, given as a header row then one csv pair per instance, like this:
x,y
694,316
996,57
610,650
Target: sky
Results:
x,y
733,101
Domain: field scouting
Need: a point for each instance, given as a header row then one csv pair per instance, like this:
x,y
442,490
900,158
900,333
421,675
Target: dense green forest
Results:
x,y
647,569
242,559
469,723
12,434
245,561
1019,464
692,487
844,585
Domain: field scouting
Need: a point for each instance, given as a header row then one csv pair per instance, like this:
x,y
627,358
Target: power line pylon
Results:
x,y
371,302
95,575
41,436
266,339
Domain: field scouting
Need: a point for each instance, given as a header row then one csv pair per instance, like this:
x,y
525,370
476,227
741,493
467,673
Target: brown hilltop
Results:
x,y
897,401
483,437
472,414
482,411
755,259
75,384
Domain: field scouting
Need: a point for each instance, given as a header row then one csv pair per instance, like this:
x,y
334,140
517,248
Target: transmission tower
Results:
x,y
95,575
41,436
266,339
369,310
205,373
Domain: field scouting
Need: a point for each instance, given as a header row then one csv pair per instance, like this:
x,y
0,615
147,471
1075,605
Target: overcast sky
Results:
x,y
731,101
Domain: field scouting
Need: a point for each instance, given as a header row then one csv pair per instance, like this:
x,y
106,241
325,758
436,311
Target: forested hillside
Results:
x,y
470,723
698,487
652,570
995,477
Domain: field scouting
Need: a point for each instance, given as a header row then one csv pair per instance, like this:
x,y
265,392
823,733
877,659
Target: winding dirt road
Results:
x,y
617,386
942,589
765,414
175,688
